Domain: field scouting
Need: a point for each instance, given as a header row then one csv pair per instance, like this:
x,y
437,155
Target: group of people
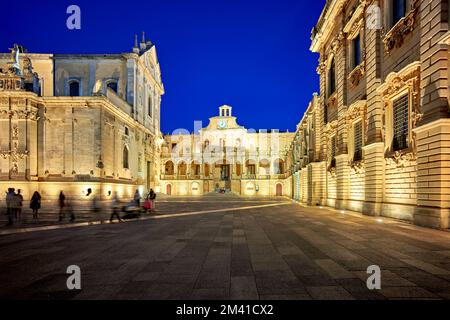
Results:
x,y
149,204
14,205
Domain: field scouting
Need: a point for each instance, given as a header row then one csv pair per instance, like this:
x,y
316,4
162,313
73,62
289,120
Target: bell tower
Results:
x,y
225,111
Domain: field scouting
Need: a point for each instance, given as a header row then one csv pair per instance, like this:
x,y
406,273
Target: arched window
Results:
x,y
125,158
182,168
150,107
74,88
168,168
112,85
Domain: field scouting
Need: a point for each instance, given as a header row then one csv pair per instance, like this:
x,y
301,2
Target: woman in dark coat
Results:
x,y
35,204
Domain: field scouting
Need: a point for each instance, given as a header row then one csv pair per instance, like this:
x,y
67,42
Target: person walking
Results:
x,y
19,205
152,197
62,204
115,208
10,195
35,204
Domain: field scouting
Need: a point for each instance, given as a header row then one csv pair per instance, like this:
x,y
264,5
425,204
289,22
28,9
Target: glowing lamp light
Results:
x,y
380,220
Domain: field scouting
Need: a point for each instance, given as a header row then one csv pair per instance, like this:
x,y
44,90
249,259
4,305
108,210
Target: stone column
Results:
x,y
373,151
342,168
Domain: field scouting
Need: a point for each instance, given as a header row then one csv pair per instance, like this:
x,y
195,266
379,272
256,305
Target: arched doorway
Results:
x,y
279,189
169,189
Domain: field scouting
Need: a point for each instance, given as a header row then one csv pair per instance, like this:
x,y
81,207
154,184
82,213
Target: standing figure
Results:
x,y
62,204
152,197
35,204
115,208
19,205
10,195
137,198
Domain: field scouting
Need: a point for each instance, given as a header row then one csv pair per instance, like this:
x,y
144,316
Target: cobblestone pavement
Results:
x,y
49,213
252,249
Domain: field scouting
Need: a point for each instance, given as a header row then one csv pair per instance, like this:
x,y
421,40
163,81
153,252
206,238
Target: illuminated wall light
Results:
x,y
379,220
342,211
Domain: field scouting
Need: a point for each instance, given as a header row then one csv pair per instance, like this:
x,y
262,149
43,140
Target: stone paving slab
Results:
x,y
280,252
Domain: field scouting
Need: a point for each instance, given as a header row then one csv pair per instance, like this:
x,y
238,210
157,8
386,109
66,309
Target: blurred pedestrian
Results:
x,y
95,204
62,204
70,210
10,195
35,204
19,205
137,198
115,208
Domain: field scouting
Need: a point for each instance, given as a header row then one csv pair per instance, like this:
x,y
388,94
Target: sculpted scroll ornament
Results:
x,y
357,167
401,160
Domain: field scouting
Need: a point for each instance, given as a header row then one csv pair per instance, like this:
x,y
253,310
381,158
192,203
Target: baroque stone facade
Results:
x,y
77,122
377,137
225,156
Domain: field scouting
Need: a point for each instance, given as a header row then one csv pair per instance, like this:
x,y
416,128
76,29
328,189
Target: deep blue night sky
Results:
x,y
253,55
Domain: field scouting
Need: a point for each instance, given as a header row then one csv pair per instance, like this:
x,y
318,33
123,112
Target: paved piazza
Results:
x,y
230,248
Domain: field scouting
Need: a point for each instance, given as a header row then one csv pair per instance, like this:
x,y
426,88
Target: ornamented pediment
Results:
x,y
396,81
331,126
356,110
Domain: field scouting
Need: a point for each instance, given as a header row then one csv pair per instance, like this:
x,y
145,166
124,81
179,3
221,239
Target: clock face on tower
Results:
x,y
222,124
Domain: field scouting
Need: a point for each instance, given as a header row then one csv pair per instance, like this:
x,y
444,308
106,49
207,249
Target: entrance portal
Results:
x,y
279,189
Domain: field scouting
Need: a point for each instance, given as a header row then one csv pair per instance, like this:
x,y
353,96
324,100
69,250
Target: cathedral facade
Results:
x,y
226,157
376,139
81,123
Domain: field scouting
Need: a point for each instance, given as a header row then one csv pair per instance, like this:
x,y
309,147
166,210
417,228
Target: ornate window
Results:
x,y
331,133
325,113
355,35
125,158
356,48
401,21
400,93
357,140
357,128
333,152
331,78
400,134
